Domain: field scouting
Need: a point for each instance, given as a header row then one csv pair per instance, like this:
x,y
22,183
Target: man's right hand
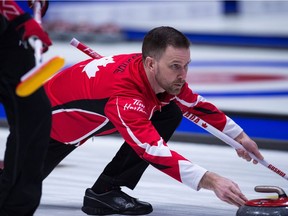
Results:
x,y
225,189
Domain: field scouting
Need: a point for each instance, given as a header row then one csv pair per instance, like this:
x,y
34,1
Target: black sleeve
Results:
x,y
3,24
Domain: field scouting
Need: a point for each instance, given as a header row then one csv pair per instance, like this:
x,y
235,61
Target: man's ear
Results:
x,y
149,63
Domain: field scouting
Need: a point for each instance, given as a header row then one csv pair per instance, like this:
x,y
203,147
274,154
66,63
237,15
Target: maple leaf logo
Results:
x,y
93,67
204,125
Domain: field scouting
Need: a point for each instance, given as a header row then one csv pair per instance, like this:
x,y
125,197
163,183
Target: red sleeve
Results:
x,y
194,105
10,9
131,118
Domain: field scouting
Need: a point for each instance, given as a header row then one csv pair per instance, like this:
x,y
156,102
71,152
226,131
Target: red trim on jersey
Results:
x,y
10,9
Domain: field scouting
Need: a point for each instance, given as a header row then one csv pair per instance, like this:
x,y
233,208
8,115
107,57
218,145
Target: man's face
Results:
x,y
171,69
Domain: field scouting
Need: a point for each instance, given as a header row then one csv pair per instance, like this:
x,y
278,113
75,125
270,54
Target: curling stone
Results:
x,y
266,207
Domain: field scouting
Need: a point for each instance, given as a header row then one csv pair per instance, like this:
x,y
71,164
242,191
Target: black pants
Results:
x,y
29,120
126,168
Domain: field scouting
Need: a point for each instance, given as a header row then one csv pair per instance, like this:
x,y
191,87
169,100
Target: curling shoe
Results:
x,y
114,202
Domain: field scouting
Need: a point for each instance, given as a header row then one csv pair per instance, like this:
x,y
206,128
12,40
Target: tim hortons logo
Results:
x,y
195,119
137,105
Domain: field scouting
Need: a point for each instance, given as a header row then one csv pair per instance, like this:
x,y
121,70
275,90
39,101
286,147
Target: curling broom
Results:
x,y
37,76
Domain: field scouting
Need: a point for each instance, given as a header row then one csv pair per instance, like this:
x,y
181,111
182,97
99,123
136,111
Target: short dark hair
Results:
x,y
158,39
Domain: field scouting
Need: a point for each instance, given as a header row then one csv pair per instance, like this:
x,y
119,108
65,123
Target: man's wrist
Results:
x,y
207,180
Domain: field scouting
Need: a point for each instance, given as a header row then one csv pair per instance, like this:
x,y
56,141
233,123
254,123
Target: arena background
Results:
x,y
251,87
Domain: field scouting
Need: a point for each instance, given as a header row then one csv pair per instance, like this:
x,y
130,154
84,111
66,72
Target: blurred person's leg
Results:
x,y
29,120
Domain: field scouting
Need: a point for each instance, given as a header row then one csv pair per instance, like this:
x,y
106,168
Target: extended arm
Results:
x,y
194,106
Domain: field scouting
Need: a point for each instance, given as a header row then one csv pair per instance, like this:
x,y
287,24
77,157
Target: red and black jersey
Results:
x,y
101,96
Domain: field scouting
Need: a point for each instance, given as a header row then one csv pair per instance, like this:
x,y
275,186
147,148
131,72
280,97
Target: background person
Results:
x,y
29,118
